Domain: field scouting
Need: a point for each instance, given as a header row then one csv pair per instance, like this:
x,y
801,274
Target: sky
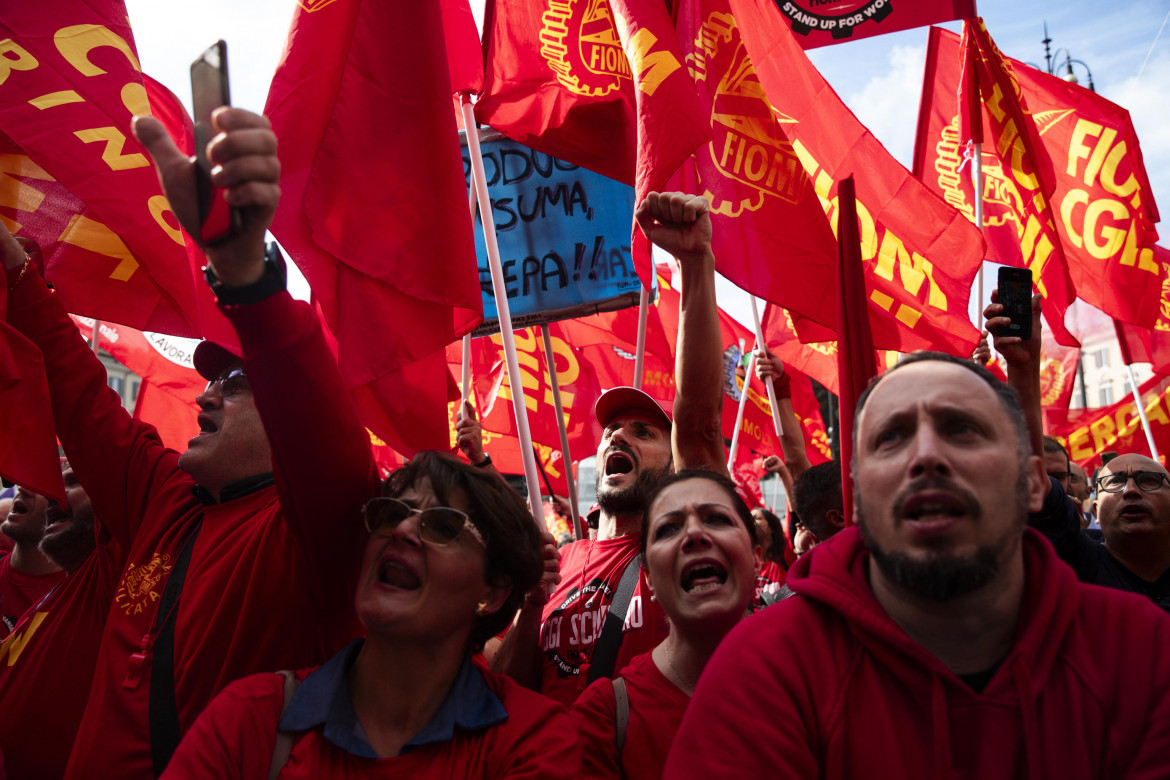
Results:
x,y
1125,44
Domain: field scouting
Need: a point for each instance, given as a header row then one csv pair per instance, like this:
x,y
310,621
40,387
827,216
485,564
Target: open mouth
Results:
x,y
1134,510
55,516
934,506
397,574
702,576
19,509
207,425
618,463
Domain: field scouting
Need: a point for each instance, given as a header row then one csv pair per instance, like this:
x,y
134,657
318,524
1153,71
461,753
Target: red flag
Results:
x,y
817,359
28,440
558,81
360,104
1102,204
820,23
856,362
78,183
1058,373
769,231
1152,345
464,59
919,254
1086,433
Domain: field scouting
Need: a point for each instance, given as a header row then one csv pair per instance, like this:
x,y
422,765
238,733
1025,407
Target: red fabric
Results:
x,y
1152,345
461,39
1058,373
920,255
1102,205
19,591
47,668
671,121
656,708
558,81
855,363
356,139
776,702
1086,433
769,231
770,579
87,191
817,23
817,360
249,549
234,737
575,613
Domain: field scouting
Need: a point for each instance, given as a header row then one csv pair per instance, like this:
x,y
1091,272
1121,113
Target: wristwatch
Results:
x,y
270,282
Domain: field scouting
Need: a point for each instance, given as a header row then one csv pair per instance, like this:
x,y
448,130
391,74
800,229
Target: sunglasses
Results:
x,y
438,525
230,382
1147,481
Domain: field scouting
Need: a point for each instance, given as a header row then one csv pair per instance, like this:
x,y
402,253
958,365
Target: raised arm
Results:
x,y
791,431
1023,368
680,224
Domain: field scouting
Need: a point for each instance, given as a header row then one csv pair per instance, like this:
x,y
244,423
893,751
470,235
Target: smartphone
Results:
x,y
209,90
1015,295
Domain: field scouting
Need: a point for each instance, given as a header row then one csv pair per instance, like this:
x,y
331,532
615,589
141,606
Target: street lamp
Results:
x,y
1052,60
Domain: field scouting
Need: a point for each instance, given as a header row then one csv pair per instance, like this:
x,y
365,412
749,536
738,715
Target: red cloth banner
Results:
x,y
77,182
770,233
919,254
821,23
1103,208
464,59
1152,345
1058,373
558,81
359,136
1086,433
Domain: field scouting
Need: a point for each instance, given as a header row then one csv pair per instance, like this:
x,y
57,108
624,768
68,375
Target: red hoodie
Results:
x,y
826,685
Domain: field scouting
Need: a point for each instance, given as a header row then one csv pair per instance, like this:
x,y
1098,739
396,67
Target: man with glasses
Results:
x,y
240,552
1132,504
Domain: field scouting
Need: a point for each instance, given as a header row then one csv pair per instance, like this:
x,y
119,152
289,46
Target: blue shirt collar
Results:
x,y
323,700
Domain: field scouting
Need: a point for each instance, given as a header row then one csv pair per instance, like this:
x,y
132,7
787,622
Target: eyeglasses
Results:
x,y
230,382
438,525
1147,481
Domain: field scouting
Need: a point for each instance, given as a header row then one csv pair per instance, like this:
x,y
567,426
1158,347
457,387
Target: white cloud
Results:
x,y
1148,101
888,103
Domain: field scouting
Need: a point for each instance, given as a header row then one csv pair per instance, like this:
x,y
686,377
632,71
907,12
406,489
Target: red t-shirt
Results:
x,y
46,668
234,738
19,591
656,709
272,573
575,614
769,580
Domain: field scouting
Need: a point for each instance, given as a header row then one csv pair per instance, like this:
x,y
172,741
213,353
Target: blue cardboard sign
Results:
x,y
564,237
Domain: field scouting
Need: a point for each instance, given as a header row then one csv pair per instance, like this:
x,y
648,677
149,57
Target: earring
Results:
x,y
480,608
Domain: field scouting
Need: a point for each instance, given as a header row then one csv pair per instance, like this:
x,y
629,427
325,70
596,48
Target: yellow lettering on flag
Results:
x,y
112,155
15,643
652,67
14,57
76,42
96,237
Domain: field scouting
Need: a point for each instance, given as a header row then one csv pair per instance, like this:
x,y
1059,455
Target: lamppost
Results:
x,y
1052,61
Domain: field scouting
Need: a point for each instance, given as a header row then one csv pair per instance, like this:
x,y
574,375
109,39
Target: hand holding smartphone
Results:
x,y
209,90
1015,295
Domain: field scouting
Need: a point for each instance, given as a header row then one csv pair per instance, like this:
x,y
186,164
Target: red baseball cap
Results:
x,y
621,399
211,359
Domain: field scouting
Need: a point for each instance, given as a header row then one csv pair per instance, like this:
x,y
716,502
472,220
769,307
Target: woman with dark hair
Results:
x,y
451,554
770,532
701,557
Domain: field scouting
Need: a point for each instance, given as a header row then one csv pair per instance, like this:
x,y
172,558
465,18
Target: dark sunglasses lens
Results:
x,y
384,513
441,525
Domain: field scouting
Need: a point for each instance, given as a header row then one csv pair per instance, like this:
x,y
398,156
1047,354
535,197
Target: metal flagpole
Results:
x,y
977,181
770,386
739,412
1137,395
566,458
466,373
640,352
93,338
479,178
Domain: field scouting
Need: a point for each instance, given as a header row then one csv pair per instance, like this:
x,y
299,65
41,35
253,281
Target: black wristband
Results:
x,y
271,282
483,464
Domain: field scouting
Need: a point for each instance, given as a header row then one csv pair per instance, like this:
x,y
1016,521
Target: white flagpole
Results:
x,y
465,384
747,379
93,338
977,181
771,387
566,458
479,178
1137,395
640,352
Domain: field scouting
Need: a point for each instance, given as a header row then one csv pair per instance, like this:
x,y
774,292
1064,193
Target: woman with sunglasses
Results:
x,y
451,554
701,558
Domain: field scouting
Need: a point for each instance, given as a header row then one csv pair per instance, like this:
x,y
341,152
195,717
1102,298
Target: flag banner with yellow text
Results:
x,y
1058,373
74,179
1103,208
816,359
823,22
919,254
770,235
1152,345
1086,433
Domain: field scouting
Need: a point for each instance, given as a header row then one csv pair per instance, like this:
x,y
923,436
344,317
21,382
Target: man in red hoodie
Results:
x,y
939,637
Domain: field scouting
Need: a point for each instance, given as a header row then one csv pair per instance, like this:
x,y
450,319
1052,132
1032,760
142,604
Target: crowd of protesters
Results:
x,y
260,606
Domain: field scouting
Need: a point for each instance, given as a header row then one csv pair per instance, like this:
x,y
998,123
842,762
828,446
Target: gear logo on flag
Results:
x,y
839,20
1001,198
139,584
748,146
579,41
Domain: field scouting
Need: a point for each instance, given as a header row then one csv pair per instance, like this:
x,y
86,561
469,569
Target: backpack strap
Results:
x,y
606,650
622,719
284,739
